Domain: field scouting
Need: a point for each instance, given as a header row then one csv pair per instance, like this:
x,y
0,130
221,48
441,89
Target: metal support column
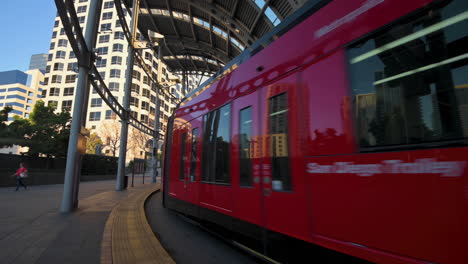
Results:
x,y
77,142
126,99
154,160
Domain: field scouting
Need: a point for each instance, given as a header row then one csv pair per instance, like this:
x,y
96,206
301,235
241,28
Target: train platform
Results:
x,y
108,227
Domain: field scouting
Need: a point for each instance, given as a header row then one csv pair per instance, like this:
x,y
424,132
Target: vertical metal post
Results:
x,y
73,166
154,160
133,171
126,100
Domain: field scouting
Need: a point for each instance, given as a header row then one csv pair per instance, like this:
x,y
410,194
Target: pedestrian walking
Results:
x,y
20,174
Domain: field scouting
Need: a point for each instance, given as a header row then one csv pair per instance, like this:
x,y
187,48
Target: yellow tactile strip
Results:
x,y
128,238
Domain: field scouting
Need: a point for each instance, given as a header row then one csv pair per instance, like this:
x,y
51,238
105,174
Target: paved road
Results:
x,y
33,231
187,243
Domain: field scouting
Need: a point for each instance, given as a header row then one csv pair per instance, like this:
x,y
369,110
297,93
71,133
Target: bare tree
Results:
x,y
138,142
109,131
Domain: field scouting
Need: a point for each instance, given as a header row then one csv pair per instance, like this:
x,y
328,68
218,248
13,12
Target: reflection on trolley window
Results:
x,y
216,142
410,82
193,163
245,147
279,143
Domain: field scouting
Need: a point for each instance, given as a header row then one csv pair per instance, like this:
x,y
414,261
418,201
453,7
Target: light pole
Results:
x,y
156,37
126,100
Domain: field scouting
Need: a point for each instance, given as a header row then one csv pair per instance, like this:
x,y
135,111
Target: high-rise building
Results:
x,y
20,90
38,62
111,48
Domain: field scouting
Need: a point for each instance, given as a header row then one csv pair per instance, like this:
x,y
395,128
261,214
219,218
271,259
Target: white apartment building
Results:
x,y
111,47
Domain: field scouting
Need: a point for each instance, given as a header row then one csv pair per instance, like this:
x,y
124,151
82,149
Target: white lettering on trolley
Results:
x,y
349,17
419,166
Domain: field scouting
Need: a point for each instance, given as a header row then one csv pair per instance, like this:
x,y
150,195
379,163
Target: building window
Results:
x,y
82,1
146,93
50,57
103,75
96,102
56,23
409,81
116,60
81,19
53,104
47,69
110,114
81,9
67,105
144,118
107,15
70,78
117,23
109,4
119,35
136,75
28,108
104,38
144,105
60,54
135,88
54,91
62,31
216,142
56,79
94,116
52,45
146,80
62,43
106,27
148,56
117,47
114,73
72,67
102,51
114,86
68,91
101,63
134,101
72,55
58,66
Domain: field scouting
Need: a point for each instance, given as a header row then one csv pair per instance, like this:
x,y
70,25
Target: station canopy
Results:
x,y
202,36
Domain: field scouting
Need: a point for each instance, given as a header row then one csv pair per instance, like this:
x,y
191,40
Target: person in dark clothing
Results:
x,y
19,175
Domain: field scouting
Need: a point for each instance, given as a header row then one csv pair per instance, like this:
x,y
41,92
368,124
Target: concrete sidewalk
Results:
x,y
33,231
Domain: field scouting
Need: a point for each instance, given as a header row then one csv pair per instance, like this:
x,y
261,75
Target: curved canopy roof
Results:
x,y
204,35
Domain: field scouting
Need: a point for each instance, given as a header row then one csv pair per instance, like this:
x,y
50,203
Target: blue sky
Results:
x,y
25,29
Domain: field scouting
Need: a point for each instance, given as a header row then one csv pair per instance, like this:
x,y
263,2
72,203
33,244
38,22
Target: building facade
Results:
x,y
111,48
19,90
38,62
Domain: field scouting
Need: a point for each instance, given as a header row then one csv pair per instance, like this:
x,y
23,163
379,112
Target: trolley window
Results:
x,y
410,81
279,143
193,163
216,142
182,155
245,147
